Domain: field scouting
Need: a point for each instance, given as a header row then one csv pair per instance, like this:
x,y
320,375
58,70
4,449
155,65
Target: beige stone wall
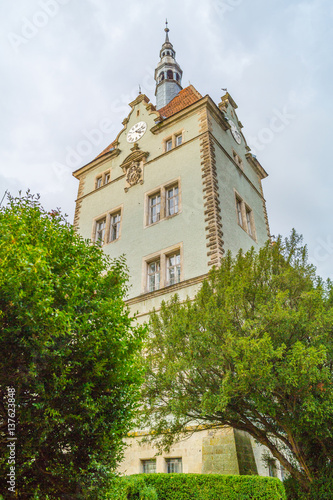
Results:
x,y
220,451
206,451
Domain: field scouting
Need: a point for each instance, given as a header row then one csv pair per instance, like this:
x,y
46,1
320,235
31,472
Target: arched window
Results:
x,y
169,74
161,76
168,53
177,77
163,54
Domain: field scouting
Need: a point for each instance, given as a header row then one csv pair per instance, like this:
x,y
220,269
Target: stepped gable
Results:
x,y
186,97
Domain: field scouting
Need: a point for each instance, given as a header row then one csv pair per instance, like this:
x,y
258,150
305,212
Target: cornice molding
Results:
x,y
96,162
166,290
256,165
192,108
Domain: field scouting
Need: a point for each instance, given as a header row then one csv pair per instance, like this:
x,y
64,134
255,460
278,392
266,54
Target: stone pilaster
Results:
x,y
79,202
212,209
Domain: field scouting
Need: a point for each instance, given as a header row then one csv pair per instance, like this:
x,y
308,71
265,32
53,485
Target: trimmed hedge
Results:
x,y
193,487
202,487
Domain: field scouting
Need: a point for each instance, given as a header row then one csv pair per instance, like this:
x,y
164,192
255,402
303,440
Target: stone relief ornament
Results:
x,y
134,174
133,166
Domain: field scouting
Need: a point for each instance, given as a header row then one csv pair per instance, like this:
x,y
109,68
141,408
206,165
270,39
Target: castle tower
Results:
x,y
175,190
168,74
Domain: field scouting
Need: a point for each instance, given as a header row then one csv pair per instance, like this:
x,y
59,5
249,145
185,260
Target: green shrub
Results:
x,y
321,488
148,493
213,487
131,488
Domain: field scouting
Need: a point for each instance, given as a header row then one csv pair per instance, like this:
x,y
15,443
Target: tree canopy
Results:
x,y
253,351
68,354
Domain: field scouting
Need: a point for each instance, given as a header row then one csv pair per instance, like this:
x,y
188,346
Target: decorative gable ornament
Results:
x,y
133,166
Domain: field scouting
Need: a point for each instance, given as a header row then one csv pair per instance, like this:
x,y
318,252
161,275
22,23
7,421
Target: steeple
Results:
x,y
168,74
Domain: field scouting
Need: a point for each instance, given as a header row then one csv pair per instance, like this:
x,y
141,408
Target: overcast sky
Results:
x,y
70,68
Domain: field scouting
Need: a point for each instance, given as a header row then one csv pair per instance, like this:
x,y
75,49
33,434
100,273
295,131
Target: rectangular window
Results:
x,y
173,141
174,465
179,140
100,231
115,226
148,466
245,216
154,269
98,182
238,159
248,221
172,200
173,268
107,178
271,468
165,202
154,208
239,212
283,472
163,268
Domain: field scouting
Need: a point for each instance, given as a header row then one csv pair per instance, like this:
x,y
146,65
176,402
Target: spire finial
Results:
x,y
139,89
166,29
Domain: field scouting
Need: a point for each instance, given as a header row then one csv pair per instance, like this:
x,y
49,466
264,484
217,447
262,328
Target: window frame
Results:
x,y
97,230
99,182
151,197
172,187
171,141
102,179
168,145
237,159
162,256
112,224
164,208
147,461
155,274
272,468
245,213
248,214
176,267
239,210
107,217
177,137
177,460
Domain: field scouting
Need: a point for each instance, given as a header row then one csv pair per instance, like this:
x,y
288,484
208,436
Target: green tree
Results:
x,y
252,351
69,355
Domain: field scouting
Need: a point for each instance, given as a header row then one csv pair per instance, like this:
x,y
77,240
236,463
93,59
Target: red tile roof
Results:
x,y
189,95
186,97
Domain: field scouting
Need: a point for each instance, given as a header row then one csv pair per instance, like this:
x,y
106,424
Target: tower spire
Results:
x,y
168,73
166,29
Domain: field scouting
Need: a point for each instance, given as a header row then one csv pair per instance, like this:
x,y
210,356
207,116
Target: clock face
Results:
x,y
136,132
235,133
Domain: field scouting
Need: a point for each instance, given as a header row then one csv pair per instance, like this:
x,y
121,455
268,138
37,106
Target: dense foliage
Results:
x,y
200,487
68,355
253,351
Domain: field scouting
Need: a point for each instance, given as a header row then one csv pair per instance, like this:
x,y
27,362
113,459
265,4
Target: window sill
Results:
x,y
163,218
245,231
110,242
161,288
